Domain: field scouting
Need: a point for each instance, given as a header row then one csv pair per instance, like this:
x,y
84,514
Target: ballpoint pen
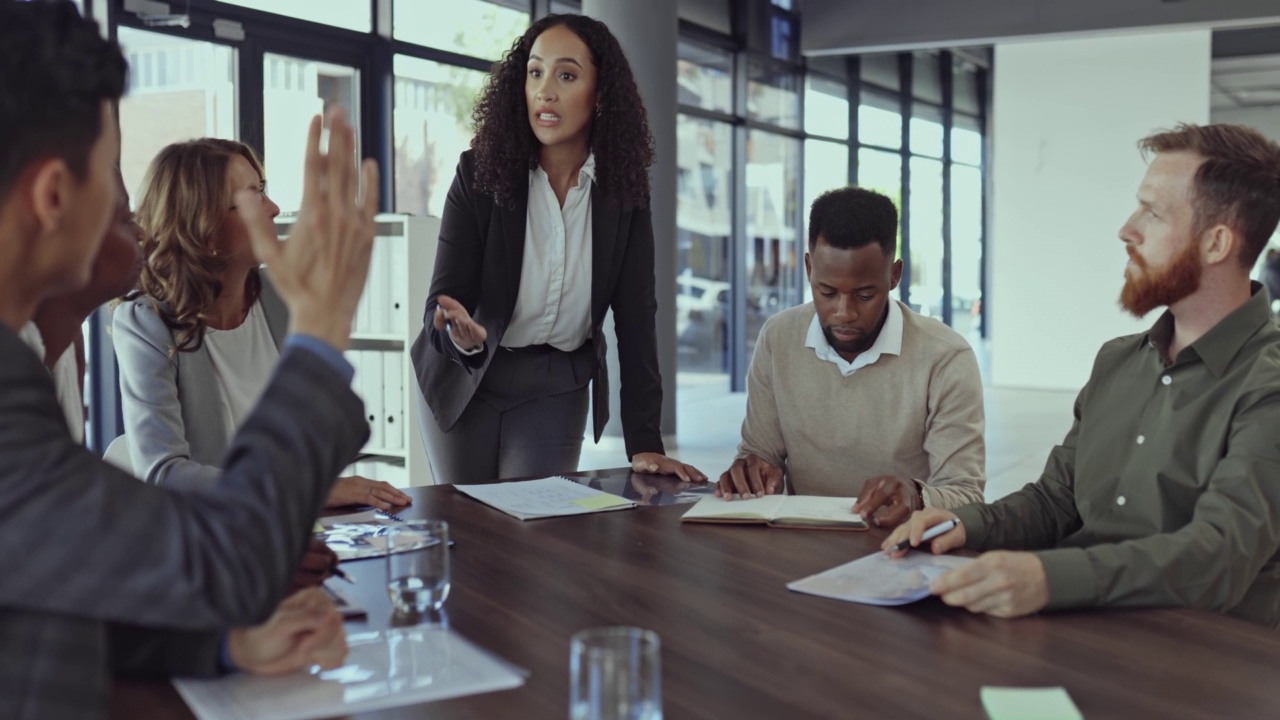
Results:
x,y
338,573
929,534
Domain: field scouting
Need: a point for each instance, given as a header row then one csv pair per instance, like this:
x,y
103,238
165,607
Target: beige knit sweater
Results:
x,y
916,415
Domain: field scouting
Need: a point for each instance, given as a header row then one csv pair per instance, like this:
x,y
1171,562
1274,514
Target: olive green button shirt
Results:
x,y
1166,490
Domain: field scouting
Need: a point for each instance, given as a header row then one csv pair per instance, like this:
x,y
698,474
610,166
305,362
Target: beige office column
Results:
x,y
647,31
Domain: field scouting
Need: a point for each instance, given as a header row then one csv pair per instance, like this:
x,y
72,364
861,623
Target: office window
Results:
x,y
926,77
479,28
178,90
826,107
559,7
966,250
350,14
433,104
773,96
826,167
926,236
879,121
966,140
965,89
295,89
926,131
773,248
704,77
704,224
882,171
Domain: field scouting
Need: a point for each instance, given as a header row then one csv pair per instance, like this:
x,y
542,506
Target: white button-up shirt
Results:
x,y
889,342
553,306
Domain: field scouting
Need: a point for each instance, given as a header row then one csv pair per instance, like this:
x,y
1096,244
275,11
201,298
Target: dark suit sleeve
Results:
x,y
635,309
81,538
459,255
142,652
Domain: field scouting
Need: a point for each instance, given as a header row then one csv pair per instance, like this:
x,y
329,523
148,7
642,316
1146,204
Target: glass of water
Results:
x,y
418,566
615,673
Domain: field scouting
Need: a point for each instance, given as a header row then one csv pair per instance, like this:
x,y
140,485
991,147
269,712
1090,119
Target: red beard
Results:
x,y
1145,289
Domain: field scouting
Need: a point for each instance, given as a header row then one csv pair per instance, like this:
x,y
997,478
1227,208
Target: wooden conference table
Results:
x,y
737,644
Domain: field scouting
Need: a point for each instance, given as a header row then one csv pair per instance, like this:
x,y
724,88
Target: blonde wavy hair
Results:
x,y
185,202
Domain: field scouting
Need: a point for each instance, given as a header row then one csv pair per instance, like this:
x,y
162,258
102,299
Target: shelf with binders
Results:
x,y
387,320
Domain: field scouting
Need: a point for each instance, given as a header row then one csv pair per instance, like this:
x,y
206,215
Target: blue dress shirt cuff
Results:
x,y
225,664
325,351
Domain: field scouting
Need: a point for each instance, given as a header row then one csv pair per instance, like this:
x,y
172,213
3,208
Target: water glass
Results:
x,y
418,566
615,673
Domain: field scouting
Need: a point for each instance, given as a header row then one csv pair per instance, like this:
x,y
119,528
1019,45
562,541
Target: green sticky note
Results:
x,y
1011,703
317,528
600,502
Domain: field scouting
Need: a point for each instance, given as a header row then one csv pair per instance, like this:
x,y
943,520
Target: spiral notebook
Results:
x,y
544,498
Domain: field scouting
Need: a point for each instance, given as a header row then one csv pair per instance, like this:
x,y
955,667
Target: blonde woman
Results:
x,y
199,338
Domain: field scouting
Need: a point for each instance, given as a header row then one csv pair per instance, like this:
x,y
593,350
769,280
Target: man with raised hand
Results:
x,y
105,575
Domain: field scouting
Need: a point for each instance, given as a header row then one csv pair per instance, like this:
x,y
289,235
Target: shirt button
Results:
x,y
1120,500
1166,380
1141,439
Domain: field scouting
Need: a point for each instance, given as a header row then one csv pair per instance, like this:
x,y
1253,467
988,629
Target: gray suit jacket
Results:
x,y
171,404
104,575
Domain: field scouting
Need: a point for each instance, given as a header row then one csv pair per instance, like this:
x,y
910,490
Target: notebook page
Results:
x,y
819,510
712,507
879,580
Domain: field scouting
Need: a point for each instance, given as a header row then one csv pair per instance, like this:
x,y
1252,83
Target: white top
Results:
x,y
553,306
889,342
243,359
65,381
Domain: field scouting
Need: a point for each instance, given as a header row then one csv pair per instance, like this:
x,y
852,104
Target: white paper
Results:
x,y
880,580
384,669
546,497
775,507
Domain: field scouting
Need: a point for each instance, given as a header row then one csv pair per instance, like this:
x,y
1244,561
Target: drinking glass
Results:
x,y
418,566
615,673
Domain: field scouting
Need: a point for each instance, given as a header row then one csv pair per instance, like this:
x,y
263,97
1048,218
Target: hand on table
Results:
x,y
317,566
465,332
356,490
888,500
305,630
750,477
1001,583
656,464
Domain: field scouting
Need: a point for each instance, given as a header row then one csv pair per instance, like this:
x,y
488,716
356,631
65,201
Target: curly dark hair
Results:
x,y
853,217
506,149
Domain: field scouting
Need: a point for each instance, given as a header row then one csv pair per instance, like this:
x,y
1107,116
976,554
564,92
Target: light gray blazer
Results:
x,y
171,405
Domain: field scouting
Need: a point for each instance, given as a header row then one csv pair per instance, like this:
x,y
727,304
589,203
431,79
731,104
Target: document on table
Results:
x,y
546,497
1013,703
879,580
384,669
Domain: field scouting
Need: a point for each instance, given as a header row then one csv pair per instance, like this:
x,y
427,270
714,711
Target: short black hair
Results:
x,y
852,217
55,72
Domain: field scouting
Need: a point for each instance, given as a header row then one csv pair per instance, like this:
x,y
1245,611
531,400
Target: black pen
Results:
x,y
338,573
929,534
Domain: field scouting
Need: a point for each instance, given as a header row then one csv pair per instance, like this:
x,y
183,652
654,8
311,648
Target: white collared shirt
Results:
x,y
889,342
553,306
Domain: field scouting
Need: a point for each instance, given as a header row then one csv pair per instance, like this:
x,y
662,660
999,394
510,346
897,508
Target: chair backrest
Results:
x,y
118,454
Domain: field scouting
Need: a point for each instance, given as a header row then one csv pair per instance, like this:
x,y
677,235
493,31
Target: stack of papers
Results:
x,y
544,498
879,580
385,669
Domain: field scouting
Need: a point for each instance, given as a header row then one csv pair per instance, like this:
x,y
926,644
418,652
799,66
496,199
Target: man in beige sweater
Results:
x,y
855,394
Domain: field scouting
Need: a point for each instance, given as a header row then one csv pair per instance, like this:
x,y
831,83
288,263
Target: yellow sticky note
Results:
x,y
317,528
1005,703
600,502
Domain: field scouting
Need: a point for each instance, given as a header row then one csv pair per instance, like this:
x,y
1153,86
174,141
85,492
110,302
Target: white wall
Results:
x,y
1066,117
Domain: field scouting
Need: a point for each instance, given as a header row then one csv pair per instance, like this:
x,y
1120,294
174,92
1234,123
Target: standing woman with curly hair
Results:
x,y
546,227
199,339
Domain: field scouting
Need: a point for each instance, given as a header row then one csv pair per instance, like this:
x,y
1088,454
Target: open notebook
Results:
x,y
793,511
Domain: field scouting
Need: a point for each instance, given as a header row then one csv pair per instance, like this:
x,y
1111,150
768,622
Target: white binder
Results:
x,y
398,285
393,400
377,294
371,363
